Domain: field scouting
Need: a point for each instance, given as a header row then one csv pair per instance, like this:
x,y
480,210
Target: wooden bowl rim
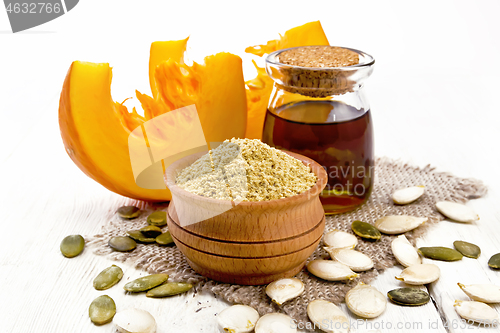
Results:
x,y
314,191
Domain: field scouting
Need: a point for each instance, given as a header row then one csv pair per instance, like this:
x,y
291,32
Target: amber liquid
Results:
x,y
337,136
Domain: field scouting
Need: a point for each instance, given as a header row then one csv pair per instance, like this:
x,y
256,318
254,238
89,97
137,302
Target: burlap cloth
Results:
x,y
390,175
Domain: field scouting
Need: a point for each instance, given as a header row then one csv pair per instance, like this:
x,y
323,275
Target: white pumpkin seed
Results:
x,y
487,293
407,195
275,323
404,252
365,301
476,311
420,274
355,260
134,321
398,224
283,290
331,270
339,239
456,211
237,319
328,317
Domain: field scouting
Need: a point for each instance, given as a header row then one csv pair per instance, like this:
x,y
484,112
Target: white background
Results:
x,y
434,96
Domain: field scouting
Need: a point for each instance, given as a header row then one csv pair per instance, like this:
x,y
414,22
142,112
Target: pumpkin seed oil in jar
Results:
x,y
337,136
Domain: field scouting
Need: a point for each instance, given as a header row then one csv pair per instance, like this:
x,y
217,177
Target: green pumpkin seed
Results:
x,y
158,218
440,253
139,237
467,249
145,283
122,244
108,278
494,261
151,231
408,296
169,289
72,245
102,310
165,239
128,212
365,230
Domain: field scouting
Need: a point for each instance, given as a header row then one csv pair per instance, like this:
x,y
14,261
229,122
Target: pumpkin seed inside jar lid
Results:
x,y
440,253
365,230
72,245
128,212
365,301
409,296
467,249
102,310
108,278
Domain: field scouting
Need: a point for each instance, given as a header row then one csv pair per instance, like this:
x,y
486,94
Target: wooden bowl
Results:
x,y
249,243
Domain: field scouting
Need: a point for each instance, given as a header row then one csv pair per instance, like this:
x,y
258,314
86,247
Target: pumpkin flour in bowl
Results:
x,y
246,170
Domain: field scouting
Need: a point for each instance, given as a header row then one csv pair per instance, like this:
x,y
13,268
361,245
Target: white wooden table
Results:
x,y
434,99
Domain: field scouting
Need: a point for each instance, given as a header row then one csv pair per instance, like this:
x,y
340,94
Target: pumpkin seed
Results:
x,y
165,239
467,249
139,237
122,244
339,239
409,296
275,323
407,195
404,252
494,261
365,230
102,310
355,260
134,321
476,311
169,289
72,245
158,218
151,231
487,293
108,278
456,211
237,319
330,270
398,224
440,253
420,274
365,301
327,316
128,212
145,283
283,290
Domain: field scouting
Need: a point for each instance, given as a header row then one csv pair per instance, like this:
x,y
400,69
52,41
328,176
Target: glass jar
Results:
x,y
323,113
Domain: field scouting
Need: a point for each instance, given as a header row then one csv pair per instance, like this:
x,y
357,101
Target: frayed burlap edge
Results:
x,y
390,175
